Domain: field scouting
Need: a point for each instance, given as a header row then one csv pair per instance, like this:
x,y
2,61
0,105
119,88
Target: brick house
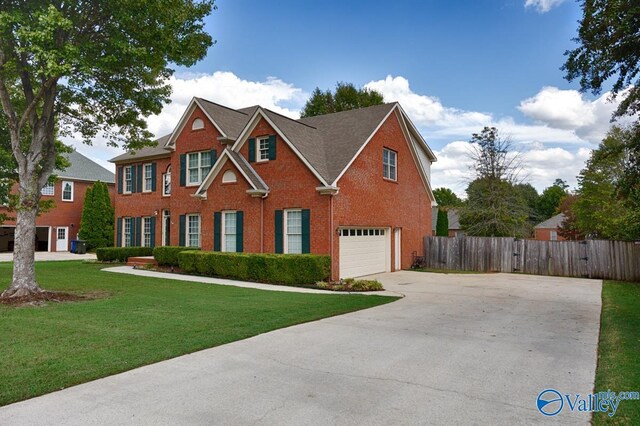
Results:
x,y
354,185
56,228
548,230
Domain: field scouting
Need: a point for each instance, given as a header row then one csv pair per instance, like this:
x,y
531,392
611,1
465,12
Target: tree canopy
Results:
x,y
550,199
446,198
84,69
346,97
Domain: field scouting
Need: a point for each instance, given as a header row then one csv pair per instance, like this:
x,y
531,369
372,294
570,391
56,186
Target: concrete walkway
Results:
x,y
246,284
51,256
458,349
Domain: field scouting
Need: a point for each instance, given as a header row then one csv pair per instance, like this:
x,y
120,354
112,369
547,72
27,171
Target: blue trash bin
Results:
x,y
74,246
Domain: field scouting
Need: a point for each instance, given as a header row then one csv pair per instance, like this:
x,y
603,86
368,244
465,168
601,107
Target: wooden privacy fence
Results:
x,y
615,260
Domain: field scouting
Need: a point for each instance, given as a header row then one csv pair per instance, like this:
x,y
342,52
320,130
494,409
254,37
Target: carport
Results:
x,y
7,238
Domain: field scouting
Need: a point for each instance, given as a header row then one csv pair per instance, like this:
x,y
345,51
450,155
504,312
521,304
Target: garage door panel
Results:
x,y
363,254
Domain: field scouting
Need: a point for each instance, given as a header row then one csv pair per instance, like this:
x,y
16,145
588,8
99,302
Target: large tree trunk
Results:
x,y
24,273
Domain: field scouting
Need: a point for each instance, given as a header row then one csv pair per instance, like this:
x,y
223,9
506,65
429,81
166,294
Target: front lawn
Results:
x,y
141,321
619,349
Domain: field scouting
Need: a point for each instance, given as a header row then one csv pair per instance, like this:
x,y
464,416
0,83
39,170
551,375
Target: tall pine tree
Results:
x,y
96,226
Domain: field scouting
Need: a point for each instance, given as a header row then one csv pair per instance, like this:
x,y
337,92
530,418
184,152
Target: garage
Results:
x,y
364,251
7,238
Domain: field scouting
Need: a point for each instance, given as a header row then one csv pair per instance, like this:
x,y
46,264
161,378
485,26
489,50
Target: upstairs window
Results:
x,y
67,191
166,182
389,164
148,178
128,181
229,177
48,189
198,165
197,124
263,149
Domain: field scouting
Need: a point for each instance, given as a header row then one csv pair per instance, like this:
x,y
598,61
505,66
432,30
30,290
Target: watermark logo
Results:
x,y
550,402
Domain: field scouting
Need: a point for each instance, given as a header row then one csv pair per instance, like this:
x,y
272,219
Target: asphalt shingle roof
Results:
x,y
552,223
148,151
256,181
83,168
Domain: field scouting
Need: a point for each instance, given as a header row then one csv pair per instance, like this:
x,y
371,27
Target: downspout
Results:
x,y
331,237
262,222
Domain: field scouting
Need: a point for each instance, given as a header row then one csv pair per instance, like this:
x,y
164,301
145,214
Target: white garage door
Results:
x,y
364,251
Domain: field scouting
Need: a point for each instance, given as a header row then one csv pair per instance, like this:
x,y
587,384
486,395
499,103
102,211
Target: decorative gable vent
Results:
x,y
197,124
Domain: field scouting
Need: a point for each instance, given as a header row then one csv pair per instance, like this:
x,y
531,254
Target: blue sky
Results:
x,y
454,66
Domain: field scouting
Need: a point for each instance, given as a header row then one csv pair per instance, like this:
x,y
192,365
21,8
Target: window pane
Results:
x,y
193,231
147,177
205,159
294,244
193,160
127,232
294,222
66,191
264,149
193,176
48,189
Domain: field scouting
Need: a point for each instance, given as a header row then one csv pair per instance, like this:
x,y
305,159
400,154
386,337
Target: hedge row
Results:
x,y
288,269
168,255
121,254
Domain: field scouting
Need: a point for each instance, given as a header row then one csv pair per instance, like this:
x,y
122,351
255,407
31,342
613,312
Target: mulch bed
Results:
x,y
44,297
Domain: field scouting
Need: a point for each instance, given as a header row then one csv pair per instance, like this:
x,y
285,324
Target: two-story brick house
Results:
x,y
354,185
56,228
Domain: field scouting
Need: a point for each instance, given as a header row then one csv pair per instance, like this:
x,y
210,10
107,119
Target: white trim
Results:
x,y
66,239
285,227
204,186
253,122
223,234
397,247
64,182
143,239
406,118
124,178
144,176
364,145
258,148
390,164
200,124
187,241
200,177
183,121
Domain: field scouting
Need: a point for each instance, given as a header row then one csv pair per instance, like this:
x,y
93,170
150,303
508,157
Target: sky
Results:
x,y
454,66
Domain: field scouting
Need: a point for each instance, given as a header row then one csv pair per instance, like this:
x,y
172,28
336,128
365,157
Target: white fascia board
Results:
x,y
364,145
208,180
419,137
183,121
244,136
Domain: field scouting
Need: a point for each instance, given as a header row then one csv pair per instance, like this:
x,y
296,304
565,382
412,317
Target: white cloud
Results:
x,y
543,6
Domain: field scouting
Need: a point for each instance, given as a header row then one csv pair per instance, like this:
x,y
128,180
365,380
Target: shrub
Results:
x,y
96,224
121,254
168,255
366,285
288,269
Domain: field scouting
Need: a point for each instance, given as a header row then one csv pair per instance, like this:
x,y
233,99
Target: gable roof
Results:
x,y
156,150
552,223
83,168
230,121
256,182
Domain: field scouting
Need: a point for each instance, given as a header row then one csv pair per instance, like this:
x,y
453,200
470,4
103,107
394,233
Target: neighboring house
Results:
x,y
455,230
548,230
56,228
354,185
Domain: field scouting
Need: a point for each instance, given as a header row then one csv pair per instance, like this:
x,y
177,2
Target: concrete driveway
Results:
x,y
43,255
458,349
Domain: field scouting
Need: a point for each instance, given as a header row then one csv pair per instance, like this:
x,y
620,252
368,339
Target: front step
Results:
x,y
141,261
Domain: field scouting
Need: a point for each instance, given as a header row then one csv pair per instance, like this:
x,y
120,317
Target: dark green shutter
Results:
x,y
119,232
278,231
252,150
183,169
153,176
182,223
272,147
214,156
138,232
239,232
152,225
119,181
306,231
133,178
132,232
217,224
140,188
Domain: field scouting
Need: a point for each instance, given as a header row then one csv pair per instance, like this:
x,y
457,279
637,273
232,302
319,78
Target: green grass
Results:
x,y
142,321
619,349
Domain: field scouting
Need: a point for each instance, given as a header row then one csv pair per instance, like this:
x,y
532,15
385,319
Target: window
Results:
x,y
48,189
389,164
554,236
262,149
126,231
229,177
198,165
197,124
62,233
166,182
148,178
193,230
229,226
146,232
128,181
67,191
293,231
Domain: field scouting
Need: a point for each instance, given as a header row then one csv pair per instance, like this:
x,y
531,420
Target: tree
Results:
x,y
446,198
346,97
529,196
495,206
568,229
86,68
550,199
96,224
442,223
600,212
608,49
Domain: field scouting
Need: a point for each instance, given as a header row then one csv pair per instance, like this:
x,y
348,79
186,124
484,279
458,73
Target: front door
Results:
x,y
62,240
